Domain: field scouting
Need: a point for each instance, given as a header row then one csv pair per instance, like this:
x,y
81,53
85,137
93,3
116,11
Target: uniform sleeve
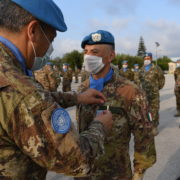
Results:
x,y
161,78
70,153
65,99
144,153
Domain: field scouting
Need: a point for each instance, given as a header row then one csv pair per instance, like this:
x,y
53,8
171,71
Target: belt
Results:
x,y
114,110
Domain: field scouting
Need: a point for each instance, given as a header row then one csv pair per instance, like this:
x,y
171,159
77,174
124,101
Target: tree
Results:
x,y
131,60
163,62
74,59
141,49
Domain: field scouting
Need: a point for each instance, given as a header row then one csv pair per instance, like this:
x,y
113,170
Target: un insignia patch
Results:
x,y
96,37
61,121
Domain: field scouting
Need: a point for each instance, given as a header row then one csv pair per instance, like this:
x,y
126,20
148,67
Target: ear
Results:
x,y
112,56
33,30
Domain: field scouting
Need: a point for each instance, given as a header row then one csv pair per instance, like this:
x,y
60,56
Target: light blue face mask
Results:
x,y
39,62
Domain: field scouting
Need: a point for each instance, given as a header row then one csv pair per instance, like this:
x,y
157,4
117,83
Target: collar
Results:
x,y
99,83
125,69
17,54
148,67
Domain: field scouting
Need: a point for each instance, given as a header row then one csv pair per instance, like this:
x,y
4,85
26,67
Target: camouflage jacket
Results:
x,y
47,78
29,145
177,77
130,117
128,74
152,81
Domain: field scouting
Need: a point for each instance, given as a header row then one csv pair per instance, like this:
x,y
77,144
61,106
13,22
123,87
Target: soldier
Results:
x,y
36,134
47,77
152,80
76,74
125,71
128,106
136,74
57,74
67,78
177,88
84,74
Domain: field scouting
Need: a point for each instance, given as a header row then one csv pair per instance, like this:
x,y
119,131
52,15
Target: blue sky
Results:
x,y
127,20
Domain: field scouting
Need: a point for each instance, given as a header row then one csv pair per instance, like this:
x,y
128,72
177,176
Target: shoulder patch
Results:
x,y
60,121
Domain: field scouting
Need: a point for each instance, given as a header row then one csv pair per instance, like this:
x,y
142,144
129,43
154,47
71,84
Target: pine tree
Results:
x,y
141,49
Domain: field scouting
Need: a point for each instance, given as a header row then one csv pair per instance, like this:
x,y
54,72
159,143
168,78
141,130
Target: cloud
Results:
x,y
117,7
62,46
115,25
166,33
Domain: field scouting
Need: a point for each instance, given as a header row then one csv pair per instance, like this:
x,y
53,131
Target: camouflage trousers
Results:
x,y
76,79
177,94
66,86
154,109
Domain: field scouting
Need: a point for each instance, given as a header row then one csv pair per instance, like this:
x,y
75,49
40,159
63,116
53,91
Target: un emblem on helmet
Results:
x,y
96,37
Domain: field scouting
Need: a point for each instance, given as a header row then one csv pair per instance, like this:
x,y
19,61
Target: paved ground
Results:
x,y
167,166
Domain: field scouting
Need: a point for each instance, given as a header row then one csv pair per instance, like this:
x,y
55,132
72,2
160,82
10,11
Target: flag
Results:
x,y
157,44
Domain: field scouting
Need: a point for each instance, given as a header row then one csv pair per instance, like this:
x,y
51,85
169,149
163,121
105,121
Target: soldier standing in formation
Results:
x,y
129,108
177,88
136,74
67,78
36,134
152,80
125,71
84,74
76,74
57,74
47,77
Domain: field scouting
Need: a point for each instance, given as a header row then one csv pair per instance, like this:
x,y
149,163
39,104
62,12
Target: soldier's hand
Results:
x,y
137,176
105,118
91,96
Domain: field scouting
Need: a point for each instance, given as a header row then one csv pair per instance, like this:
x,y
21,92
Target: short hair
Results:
x,y
13,17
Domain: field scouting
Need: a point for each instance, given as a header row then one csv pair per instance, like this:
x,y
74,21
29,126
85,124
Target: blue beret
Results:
x,y
65,64
148,54
136,64
98,37
125,61
46,11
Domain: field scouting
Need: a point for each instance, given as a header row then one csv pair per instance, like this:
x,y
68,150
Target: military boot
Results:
x,y
177,114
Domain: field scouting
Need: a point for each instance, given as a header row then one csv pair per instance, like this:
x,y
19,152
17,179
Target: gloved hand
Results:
x,y
138,176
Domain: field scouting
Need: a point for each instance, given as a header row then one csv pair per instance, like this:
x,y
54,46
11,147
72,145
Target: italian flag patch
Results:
x,y
149,116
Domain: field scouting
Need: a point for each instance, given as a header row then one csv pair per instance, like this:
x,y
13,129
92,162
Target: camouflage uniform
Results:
x,y
67,79
152,81
29,145
76,74
136,78
57,75
47,77
130,116
177,88
84,75
127,74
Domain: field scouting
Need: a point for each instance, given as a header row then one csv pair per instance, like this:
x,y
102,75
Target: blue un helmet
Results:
x,y
46,11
